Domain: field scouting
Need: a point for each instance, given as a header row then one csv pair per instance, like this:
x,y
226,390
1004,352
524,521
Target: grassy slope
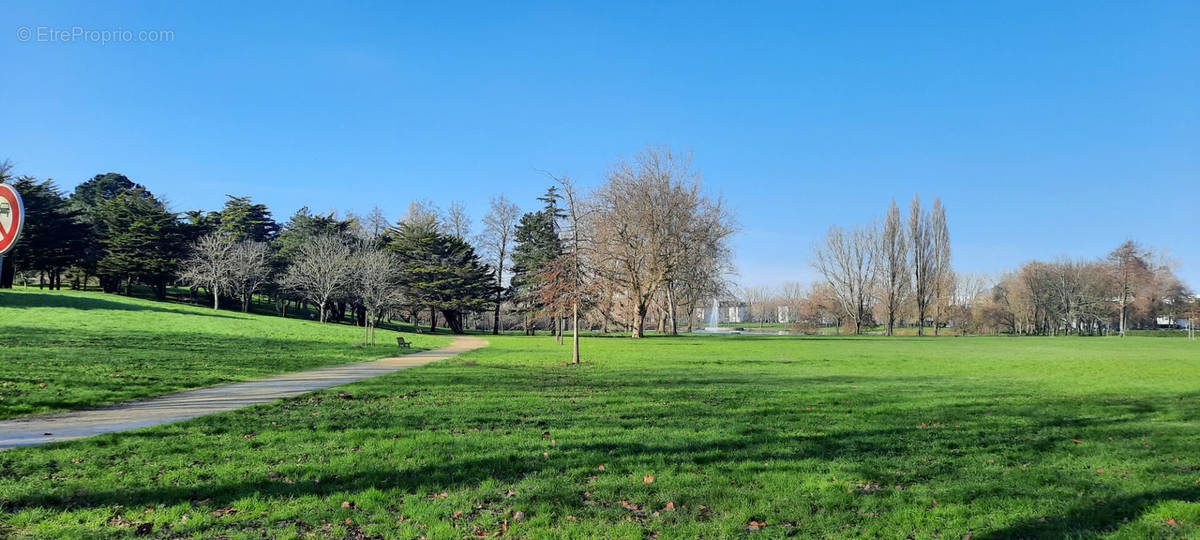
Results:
x,y
869,437
92,348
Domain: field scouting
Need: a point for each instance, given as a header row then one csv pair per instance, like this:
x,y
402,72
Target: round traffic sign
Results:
x,y
12,217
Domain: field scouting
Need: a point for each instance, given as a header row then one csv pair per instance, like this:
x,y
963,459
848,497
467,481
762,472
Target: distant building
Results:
x,y
723,311
784,314
1169,323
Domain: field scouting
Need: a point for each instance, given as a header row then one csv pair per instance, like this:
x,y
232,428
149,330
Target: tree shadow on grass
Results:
x,y
83,368
423,480
1092,516
27,300
1089,516
749,432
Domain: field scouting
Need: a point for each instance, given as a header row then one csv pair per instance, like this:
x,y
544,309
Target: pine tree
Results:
x,y
244,220
142,241
441,272
53,235
537,244
87,198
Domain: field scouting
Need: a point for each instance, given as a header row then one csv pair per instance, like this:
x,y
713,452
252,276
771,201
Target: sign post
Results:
x,y
12,218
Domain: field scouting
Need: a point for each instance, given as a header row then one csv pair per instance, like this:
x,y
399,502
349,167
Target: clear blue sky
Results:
x,y
1047,128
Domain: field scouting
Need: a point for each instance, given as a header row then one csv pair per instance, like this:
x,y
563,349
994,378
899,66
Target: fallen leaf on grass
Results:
x,y
670,507
347,504
1172,522
648,479
870,487
1076,441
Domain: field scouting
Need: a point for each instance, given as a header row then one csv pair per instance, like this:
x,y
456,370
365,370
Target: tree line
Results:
x,y
649,240
890,265
898,271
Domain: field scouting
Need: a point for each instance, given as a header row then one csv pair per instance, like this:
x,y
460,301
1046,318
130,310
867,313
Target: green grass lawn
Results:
x,y
713,436
67,350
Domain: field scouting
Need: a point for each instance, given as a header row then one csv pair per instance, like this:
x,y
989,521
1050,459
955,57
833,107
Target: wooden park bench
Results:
x,y
403,344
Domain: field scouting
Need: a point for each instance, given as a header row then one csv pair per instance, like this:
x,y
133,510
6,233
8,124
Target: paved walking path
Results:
x,y
47,428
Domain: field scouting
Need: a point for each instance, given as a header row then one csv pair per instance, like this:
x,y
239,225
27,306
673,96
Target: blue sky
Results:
x,y
1047,128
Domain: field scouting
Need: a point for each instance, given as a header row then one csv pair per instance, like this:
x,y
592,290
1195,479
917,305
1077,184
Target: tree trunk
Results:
x,y
432,320
1123,317
453,320
639,321
575,332
5,269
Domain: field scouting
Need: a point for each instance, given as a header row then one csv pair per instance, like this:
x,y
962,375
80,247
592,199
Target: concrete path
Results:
x,y
47,428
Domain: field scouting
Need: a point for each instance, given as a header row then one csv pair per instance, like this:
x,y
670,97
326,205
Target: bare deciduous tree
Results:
x,y
941,272
456,222
894,278
569,285
845,260
422,213
964,295
249,269
376,223
496,241
322,268
641,213
209,265
376,279
1130,272
921,241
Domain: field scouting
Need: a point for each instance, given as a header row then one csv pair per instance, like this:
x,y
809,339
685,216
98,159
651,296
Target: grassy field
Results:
x,y
713,436
65,350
